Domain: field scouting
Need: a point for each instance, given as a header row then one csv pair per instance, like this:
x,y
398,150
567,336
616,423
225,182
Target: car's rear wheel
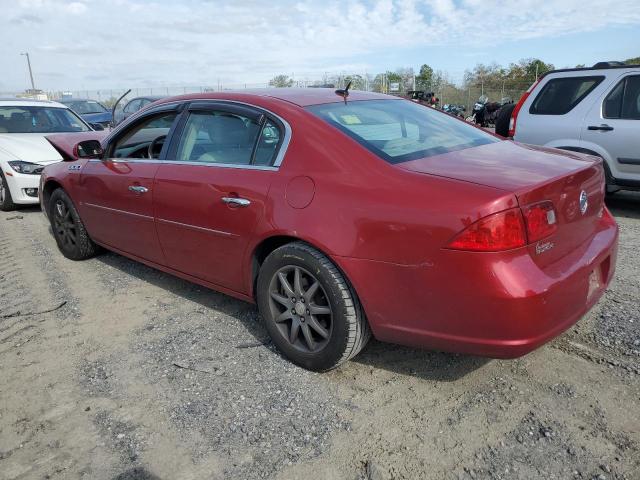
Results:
x,y
6,201
68,230
311,312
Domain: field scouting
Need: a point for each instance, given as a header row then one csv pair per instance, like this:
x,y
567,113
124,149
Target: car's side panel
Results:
x,y
363,207
200,234
622,142
115,201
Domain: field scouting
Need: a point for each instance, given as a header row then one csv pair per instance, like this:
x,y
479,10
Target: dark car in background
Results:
x,y
91,111
133,105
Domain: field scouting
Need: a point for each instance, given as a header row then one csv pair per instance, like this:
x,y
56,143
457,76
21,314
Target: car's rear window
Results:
x,y
561,95
401,130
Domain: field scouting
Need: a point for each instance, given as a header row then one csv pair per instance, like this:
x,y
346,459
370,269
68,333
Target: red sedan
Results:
x,y
343,219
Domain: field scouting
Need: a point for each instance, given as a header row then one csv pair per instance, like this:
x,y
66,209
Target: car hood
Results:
x,y
29,147
505,165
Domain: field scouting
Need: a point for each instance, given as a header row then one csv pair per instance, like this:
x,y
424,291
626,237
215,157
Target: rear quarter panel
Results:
x,y
363,207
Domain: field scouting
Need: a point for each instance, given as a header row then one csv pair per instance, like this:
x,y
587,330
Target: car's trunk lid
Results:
x,y
533,174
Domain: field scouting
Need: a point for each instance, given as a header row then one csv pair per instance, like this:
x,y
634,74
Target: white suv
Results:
x,y
591,110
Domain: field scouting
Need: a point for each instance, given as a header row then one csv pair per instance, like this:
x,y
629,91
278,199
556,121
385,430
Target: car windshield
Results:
x,y
86,106
37,119
399,130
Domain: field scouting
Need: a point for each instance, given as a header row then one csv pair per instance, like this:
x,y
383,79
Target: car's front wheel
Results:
x,y
68,230
6,201
311,312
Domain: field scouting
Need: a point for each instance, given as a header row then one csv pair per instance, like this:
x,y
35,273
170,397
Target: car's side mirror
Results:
x,y
88,149
96,126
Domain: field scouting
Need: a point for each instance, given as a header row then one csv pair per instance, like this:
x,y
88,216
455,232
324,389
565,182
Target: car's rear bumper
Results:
x,y
19,184
494,305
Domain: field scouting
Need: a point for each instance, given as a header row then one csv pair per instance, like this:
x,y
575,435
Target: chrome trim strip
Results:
x,y
115,210
629,161
195,227
175,162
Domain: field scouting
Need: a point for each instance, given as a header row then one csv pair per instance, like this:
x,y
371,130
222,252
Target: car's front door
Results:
x,y
116,192
213,186
614,124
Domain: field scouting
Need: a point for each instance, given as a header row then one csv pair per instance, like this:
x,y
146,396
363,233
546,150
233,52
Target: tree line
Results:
x,y
496,81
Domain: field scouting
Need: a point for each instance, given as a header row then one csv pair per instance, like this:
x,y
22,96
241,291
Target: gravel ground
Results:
x,y
112,370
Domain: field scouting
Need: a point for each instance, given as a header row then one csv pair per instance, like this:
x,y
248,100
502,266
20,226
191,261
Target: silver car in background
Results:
x,y
591,110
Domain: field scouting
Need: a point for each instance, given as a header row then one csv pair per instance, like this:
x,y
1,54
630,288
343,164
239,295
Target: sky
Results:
x,y
100,44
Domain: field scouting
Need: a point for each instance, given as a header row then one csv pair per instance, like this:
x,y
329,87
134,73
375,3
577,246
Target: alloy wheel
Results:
x,y
64,225
2,191
300,309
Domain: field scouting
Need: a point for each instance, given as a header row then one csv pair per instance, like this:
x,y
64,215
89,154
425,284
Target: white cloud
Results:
x,y
200,41
76,8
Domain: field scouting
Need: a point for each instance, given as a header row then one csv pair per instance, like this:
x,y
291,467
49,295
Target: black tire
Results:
x,y
6,201
610,183
502,121
346,328
68,230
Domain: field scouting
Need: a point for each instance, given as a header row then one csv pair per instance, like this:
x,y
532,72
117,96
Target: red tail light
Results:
x,y
514,114
540,220
499,231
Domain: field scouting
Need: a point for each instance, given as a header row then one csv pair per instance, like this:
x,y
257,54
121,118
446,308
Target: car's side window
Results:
x,y
268,143
132,106
612,105
144,139
218,137
624,100
560,95
631,99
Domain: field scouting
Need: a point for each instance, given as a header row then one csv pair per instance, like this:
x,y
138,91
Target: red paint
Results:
x,y
300,192
386,227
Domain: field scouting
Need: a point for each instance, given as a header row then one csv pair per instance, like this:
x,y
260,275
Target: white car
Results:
x,y
590,110
24,150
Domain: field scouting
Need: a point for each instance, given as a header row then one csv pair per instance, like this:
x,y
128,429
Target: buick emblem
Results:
x,y
584,202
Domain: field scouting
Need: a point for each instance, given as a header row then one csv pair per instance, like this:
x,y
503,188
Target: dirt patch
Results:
x,y
112,370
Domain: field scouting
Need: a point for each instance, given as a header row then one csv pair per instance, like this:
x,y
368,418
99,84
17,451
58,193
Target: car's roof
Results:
x,y
598,67
64,100
29,102
302,97
148,97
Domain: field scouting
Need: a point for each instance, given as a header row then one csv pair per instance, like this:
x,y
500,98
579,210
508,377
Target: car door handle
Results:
x,y
138,189
235,201
603,127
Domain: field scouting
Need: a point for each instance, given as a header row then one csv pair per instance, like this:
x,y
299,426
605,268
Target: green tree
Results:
x,y
632,61
357,82
424,79
281,81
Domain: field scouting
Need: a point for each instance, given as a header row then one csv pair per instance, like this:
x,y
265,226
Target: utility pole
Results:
x,y
33,87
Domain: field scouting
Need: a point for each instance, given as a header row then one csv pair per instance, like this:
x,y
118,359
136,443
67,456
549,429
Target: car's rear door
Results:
x,y
116,192
213,186
613,123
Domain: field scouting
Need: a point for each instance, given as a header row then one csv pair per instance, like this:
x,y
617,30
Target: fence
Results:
x,y
447,92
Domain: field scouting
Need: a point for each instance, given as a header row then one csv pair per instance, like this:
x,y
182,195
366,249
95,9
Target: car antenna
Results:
x,y
344,93
113,109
